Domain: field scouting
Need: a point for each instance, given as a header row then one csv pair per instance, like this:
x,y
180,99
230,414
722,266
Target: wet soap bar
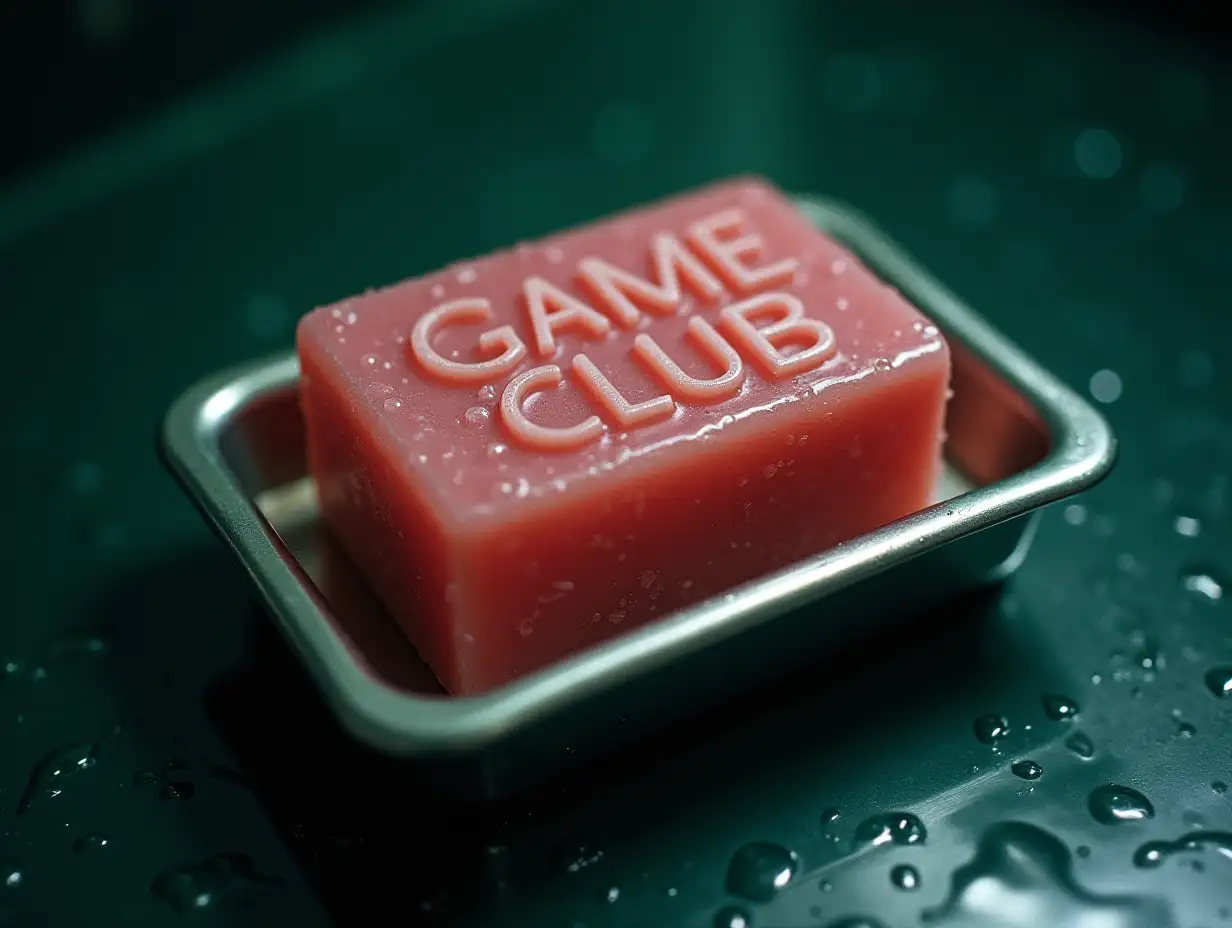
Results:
x,y
542,448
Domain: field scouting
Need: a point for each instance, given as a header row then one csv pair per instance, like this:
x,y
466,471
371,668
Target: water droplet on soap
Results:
x,y
49,775
1059,708
487,392
900,828
905,877
370,360
1027,770
90,842
1156,853
1112,804
732,916
991,728
1019,869
467,275
199,885
1080,745
476,415
1219,681
393,404
1203,584
497,450
758,870
179,790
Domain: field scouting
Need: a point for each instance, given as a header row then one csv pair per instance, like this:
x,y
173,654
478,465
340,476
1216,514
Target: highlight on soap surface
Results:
x,y
530,452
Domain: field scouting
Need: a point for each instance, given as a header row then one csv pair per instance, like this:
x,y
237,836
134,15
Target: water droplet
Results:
x,y
1192,819
1027,770
1186,730
826,886
1075,514
1111,804
611,894
487,392
1018,869
1058,707
1187,526
467,275
179,790
578,857
1203,584
905,877
11,873
49,775
1082,851
829,814
476,415
991,728
1219,786
90,842
732,916
1080,745
1097,153
1105,386
758,870
1219,680
889,828
1156,853
199,885
393,404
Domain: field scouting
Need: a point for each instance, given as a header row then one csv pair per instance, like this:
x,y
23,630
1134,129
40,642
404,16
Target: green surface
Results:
x,y
1067,178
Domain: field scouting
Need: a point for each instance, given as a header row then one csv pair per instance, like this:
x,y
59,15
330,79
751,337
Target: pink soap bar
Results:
x,y
533,451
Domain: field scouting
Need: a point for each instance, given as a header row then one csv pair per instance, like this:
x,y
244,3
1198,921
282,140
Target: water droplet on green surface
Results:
x,y
905,877
48,778
201,884
732,916
758,870
1080,745
1059,708
989,729
11,873
1219,681
1112,804
1027,770
901,828
1157,853
1018,869
1203,584
178,790
90,842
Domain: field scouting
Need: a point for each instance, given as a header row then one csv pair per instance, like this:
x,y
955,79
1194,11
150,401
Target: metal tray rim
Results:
x,y
1084,450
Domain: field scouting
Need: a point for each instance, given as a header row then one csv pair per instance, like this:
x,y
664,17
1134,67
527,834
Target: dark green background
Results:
x,y
1065,174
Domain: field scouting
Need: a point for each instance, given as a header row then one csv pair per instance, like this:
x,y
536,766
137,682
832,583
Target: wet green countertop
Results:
x,y
1054,754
